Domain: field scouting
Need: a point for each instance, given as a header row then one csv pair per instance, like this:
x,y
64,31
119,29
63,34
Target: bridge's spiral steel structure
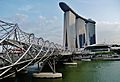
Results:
x,y
19,49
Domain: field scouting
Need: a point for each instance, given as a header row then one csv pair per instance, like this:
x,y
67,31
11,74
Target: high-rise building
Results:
x,y
69,30
90,32
78,31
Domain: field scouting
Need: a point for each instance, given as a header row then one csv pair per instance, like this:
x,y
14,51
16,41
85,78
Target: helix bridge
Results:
x,y
19,49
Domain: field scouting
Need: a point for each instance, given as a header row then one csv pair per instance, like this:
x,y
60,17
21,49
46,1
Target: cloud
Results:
x,y
48,21
108,32
17,18
26,8
50,28
20,17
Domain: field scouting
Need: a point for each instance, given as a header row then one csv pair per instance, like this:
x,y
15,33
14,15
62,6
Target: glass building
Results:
x,y
78,31
69,30
90,32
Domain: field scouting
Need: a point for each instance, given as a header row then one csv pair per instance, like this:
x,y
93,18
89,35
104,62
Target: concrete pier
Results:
x,y
70,63
85,59
47,75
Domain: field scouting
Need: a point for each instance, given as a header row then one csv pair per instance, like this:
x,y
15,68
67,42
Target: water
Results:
x,y
92,71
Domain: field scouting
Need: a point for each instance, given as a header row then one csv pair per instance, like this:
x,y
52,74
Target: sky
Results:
x,y
44,18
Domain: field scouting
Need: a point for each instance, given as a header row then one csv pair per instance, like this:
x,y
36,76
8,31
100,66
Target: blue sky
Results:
x,y
44,18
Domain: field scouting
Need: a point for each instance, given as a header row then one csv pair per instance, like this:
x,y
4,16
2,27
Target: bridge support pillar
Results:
x,y
52,65
69,60
40,66
53,74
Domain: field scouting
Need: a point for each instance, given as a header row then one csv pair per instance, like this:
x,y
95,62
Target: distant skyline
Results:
x,y
44,18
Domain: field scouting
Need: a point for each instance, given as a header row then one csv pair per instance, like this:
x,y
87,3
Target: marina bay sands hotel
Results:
x,y
78,31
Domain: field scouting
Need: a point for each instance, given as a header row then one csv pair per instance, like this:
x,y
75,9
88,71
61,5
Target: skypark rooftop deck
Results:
x,y
66,8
